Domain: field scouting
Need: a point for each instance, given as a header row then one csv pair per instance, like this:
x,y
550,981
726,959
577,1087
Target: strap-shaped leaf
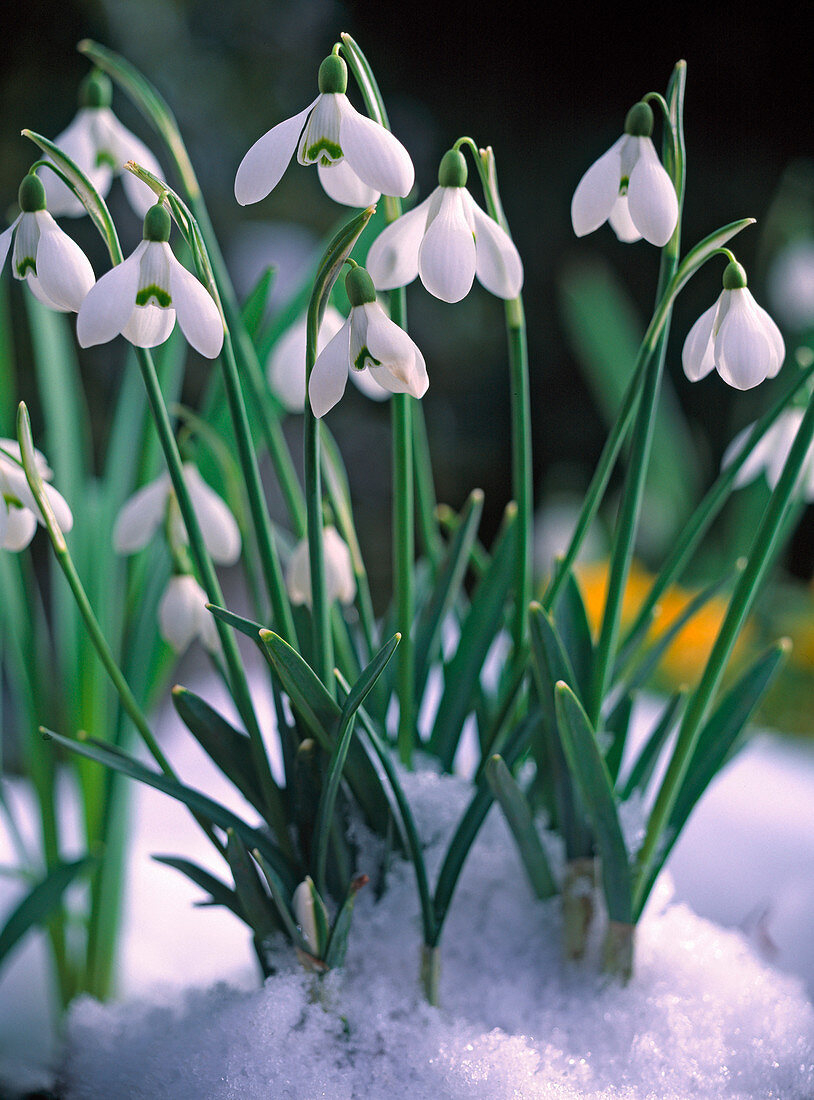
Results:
x,y
254,308
227,747
252,896
199,803
478,631
571,620
518,814
446,589
219,892
246,626
281,896
642,771
40,902
587,765
309,697
338,942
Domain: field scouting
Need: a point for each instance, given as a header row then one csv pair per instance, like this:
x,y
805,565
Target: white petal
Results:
x,y
376,156
198,316
17,527
5,240
35,287
115,140
12,447
744,352
401,366
340,583
286,365
621,223
219,528
149,325
108,305
774,335
262,167
17,484
320,137
180,613
329,375
77,142
651,197
298,575
697,354
755,462
141,516
63,269
392,260
597,191
447,256
364,381
499,268
341,184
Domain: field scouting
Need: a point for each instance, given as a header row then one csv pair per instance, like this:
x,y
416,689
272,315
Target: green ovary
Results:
x,y
158,293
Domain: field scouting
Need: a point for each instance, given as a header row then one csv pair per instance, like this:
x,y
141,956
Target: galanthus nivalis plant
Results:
x,y
368,340
101,146
357,158
735,336
770,454
628,187
57,271
447,240
141,297
325,778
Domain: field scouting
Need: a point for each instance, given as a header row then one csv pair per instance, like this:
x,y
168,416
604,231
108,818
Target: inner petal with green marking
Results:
x,y
364,359
156,293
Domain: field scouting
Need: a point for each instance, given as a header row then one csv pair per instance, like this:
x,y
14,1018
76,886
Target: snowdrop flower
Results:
x,y
152,504
447,240
628,187
369,339
141,296
770,453
286,364
19,511
735,336
183,615
56,269
98,144
357,158
790,285
340,583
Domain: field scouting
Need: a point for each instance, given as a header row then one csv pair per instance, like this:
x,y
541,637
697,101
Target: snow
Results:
x,y
703,1017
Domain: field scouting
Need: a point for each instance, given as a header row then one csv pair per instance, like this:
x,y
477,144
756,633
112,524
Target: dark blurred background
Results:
x,y
548,92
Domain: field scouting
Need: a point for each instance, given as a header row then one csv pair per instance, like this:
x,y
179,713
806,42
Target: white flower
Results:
x,y
145,511
183,615
735,336
447,240
790,285
19,511
286,364
368,339
357,158
141,297
100,146
340,583
770,453
56,269
629,187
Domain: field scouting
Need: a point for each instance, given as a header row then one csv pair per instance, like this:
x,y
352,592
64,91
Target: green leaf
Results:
x,y
252,897
40,902
338,942
254,308
199,803
571,619
642,771
219,892
246,626
227,747
588,768
309,697
281,896
446,590
518,814
478,630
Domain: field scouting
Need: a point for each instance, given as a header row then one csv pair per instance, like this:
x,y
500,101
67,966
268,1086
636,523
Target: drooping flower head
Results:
x,y
141,297
286,363
57,271
367,340
19,511
768,456
340,583
183,615
357,159
98,144
447,240
628,187
735,336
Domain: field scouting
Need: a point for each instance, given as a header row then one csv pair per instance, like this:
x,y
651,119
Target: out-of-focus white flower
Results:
x,y
183,615
790,285
286,364
19,511
56,269
769,455
150,506
100,146
340,583
736,336
141,297
628,187
357,158
368,339
309,913
447,240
